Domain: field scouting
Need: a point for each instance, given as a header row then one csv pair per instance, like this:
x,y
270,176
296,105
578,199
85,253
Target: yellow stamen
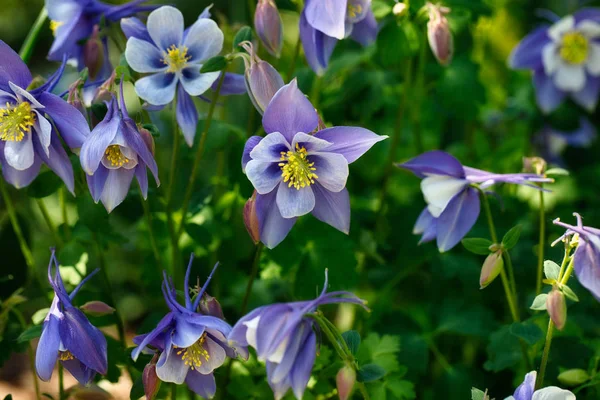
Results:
x,y
296,169
115,156
354,10
54,25
65,355
574,48
16,121
176,58
196,354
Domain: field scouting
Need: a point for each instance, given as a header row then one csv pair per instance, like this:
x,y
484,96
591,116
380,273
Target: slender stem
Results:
x,y
488,214
540,377
568,272
251,9
509,298
63,206
330,335
199,153
511,275
540,265
173,391
32,36
253,273
439,356
30,353
151,232
55,236
363,390
61,382
170,223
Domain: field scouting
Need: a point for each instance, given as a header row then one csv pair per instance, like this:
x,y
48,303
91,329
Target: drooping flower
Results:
x,y
526,391
296,172
286,339
191,345
552,142
439,35
587,256
324,22
113,153
565,60
173,57
452,200
68,336
30,121
269,26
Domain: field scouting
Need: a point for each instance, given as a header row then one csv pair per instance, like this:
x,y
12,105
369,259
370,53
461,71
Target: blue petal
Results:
x,y
58,160
12,69
164,323
196,83
165,26
47,350
202,385
304,364
83,340
96,182
203,41
185,333
318,47
80,372
588,96
92,150
548,96
457,219
525,389
75,29
116,187
232,84
248,147
264,175
349,141
528,53
332,208
271,326
142,178
133,27
71,125
332,170
19,179
587,266
434,162
365,32
209,322
143,56
170,366
237,336
187,115
327,16
135,141
273,227
294,345
157,89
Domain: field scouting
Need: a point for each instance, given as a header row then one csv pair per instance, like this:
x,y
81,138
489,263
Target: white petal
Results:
x,y
43,129
438,190
278,354
251,326
550,58
165,26
561,27
589,28
204,40
293,202
570,78
553,393
593,61
217,357
20,155
143,56
24,94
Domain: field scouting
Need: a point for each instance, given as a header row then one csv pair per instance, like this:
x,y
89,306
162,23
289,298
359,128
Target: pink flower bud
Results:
x,y
251,219
93,53
211,306
557,308
345,379
492,266
269,26
97,308
150,379
439,34
262,80
147,137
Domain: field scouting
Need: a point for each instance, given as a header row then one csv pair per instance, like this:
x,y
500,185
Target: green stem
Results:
x,y
540,265
173,391
153,242
488,214
568,272
540,377
30,353
509,298
55,237
511,276
332,338
419,88
65,216
363,390
61,383
32,36
198,157
253,274
439,356
169,200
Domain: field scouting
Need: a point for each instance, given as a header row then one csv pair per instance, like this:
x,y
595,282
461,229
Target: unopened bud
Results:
x,y
573,377
269,26
211,306
150,379
557,308
262,80
104,91
345,379
251,219
439,34
93,53
534,165
75,97
97,308
492,266
399,9
147,137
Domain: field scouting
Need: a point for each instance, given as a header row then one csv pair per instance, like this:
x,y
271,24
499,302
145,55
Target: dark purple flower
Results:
x,y
324,22
452,200
28,139
68,336
565,60
587,256
285,338
191,345
295,172
113,153
552,142
526,391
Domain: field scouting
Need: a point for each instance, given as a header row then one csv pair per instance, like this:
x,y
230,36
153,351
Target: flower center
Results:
x,y
574,48
196,354
296,169
54,25
176,58
354,10
115,156
65,356
16,121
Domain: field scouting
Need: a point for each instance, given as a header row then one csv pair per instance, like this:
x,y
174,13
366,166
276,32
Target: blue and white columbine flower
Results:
x,y
526,391
68,336
173,57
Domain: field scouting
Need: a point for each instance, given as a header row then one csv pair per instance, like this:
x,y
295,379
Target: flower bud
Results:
x,y
251,218
439,34
93,53
97,308
557,308
211,306
147,137
75,97
534,165
262,80
104,91
150,379
573,377
399,9
492,266
269,26
345,379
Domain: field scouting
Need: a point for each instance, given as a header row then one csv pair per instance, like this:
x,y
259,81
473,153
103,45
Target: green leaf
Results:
x,y
511,237
569,293
243,35
551,270
44,185
504,350
8,397
137,389
477,394
573,377
528,331
539,303
352,339
557,171
370,372
30,333
477,245
401,389
214,64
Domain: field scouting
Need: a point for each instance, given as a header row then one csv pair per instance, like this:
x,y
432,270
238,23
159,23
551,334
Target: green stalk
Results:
x,y
55,237
30,353
32,36
61,383
173,391
63,207
511,275
253,274
540,377
540,265
169,200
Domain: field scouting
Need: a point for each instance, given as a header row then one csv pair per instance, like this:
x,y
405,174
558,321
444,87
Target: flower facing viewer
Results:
x,y
526,391
296,172
68,336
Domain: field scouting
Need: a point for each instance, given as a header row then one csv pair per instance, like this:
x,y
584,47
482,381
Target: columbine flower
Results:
x,y
284,337
552,142
27,137
324,22
174,58
526,391
587,256
296,172
114,152
68,336
565,59
452,201
269,26
191,345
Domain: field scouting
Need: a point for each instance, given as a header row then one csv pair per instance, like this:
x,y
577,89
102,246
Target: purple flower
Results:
x,y
324,22
295,172
552,142
286,339
113,153
565,59
452,200
68,336
526,391
28,139
587,256
173,57
191,345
